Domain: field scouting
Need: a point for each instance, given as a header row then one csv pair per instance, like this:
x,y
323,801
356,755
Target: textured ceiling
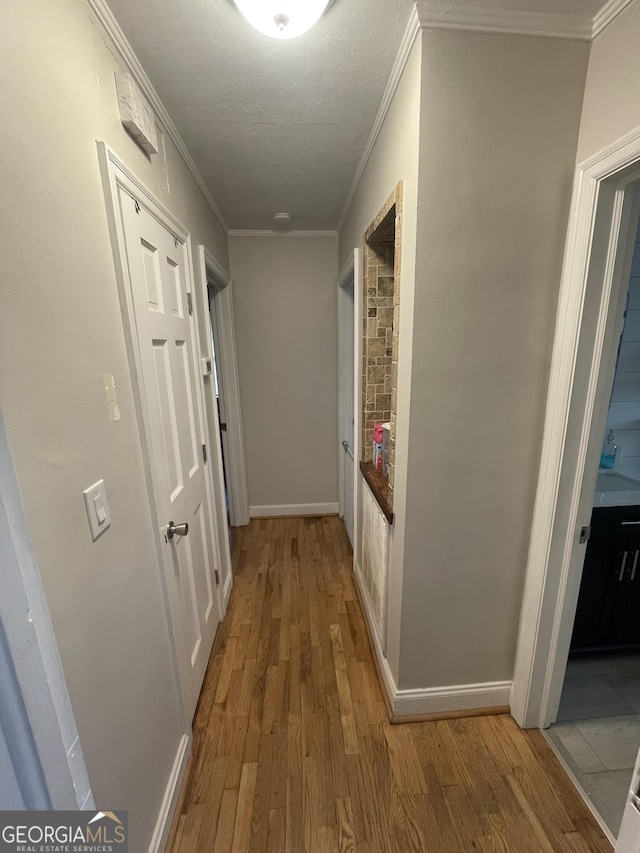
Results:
x,y
280,125
272,125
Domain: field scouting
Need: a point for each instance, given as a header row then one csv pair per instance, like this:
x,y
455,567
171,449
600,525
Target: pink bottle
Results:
x,y
378,438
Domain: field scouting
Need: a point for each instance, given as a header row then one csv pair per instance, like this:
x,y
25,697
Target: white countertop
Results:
x,y
618,486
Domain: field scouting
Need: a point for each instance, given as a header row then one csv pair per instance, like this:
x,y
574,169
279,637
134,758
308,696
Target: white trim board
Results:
x,y
258,233
358,484
583,361
607,14
37,718
502,18
113,30
431,700
402,57
427,14
434,15
457,697
276,510
216,269
219,279
222,553
345,280
170,800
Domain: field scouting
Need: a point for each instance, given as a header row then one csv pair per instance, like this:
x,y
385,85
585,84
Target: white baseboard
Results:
x,y
275,510
171,794
431,700
457,697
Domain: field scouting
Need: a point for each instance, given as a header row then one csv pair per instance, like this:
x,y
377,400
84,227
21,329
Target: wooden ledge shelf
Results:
x,y
379,485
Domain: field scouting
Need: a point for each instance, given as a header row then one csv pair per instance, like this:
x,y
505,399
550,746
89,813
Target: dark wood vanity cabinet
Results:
x,y
608,613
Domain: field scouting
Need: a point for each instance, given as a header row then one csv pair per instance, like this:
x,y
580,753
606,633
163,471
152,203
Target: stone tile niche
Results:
x,y
382,250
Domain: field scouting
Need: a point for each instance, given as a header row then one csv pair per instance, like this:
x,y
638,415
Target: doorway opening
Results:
x,y
346,398
221,407
599,260
222,401
597,728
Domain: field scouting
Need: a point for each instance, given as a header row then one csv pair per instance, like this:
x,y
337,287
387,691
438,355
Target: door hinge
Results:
x,y
217,577
137,205
585,534
204,452
190,303
223,427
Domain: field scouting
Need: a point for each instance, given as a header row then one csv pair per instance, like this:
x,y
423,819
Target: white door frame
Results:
x,y
115,173
592,292
358,313
36,717
211,272
345,278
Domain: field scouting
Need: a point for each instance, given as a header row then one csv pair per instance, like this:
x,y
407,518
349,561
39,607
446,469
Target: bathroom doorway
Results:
x,y
597,727
599,254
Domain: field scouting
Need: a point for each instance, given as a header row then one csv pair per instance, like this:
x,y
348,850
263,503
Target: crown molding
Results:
x,y
406,45
607,14
112,28
428,14
435,15
239,232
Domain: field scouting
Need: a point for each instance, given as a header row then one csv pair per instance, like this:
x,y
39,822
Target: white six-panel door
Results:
x,y
159,278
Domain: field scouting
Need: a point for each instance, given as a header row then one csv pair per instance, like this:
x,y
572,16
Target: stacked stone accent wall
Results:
x,y
382,255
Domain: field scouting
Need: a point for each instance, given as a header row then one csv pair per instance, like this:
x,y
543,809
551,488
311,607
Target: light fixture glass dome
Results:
x,y
282,19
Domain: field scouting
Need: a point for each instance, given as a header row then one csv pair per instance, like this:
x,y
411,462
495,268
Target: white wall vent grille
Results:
x,y
375,562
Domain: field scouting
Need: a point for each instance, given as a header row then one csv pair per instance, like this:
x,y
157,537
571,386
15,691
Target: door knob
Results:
x,y
177,530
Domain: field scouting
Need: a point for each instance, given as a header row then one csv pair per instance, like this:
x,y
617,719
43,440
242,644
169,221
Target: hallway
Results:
x,y
292,747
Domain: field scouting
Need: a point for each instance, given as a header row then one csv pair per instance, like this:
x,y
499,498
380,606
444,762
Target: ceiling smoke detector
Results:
x,y
282,221
282,19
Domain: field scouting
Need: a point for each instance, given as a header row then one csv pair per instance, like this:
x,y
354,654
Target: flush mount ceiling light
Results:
x,y
282,221
282,19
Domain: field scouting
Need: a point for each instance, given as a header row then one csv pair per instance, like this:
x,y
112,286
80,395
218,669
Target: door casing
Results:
x,y
213,275
347,373
116,174
594,282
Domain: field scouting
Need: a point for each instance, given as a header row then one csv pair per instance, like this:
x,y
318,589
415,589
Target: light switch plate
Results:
x,y
95,501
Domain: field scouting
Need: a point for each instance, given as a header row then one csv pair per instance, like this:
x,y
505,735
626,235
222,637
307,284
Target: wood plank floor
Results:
x,y
292,746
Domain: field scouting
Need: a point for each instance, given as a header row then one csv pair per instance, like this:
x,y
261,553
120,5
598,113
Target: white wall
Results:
x,y
624,411
284,296
499,126
394,158
60,329
612,93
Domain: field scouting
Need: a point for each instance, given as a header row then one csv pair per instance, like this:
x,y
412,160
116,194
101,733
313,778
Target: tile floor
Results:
x,y
598,728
